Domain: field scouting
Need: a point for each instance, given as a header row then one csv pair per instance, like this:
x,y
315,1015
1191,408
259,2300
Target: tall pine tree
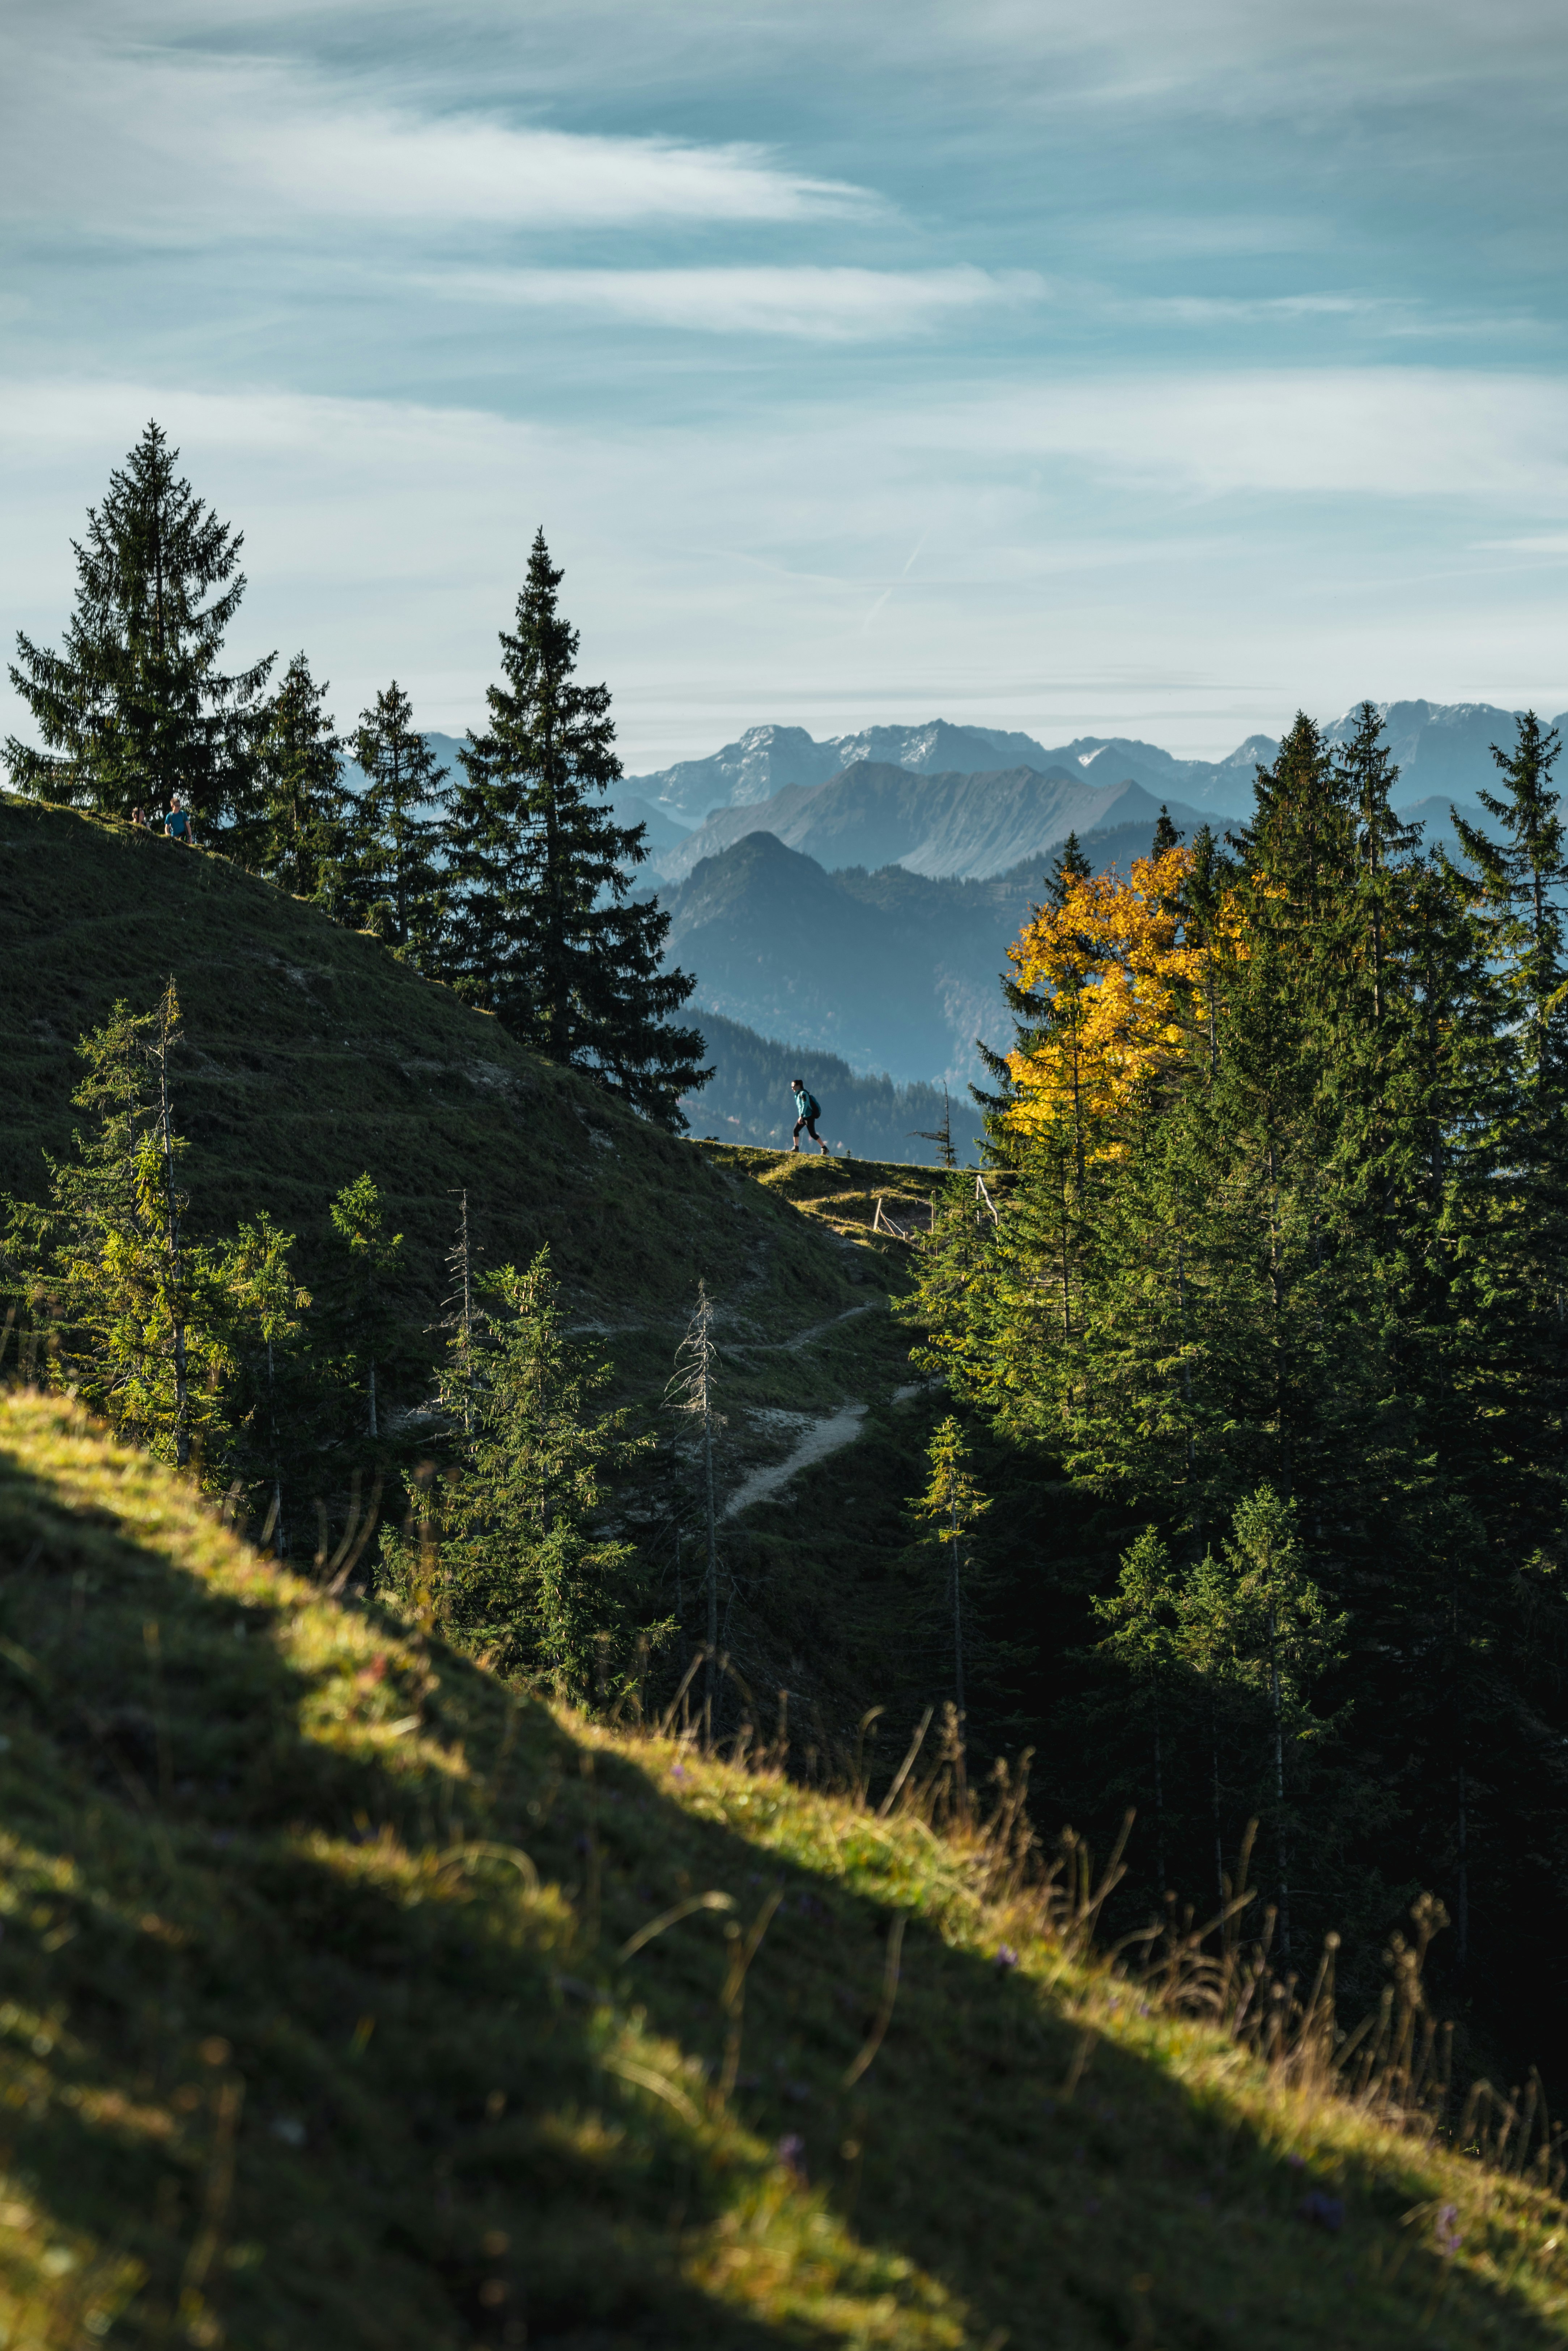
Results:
x,y
545,934
292,829
136,706
393,875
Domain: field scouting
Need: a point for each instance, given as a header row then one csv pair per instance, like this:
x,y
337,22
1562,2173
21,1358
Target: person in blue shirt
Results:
x,y
809,1110
177,823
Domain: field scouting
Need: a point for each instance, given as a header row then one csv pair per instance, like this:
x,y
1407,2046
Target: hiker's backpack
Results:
x,y
813,1107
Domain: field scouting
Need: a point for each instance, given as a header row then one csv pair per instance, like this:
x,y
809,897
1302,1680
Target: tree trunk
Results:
x,y
171,1216
1214,1766
709,1672
277,1544
957,1616
1279,1783
1159,1797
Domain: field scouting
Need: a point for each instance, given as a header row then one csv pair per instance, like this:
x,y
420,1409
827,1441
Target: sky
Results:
x,y
1114,370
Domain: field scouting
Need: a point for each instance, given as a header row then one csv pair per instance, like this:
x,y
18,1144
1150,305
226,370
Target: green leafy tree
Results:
x,y
136,706
545,934
394,874
136,1317
528,1572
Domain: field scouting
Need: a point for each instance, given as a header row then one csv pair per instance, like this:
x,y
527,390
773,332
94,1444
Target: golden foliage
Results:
x,y
1114,966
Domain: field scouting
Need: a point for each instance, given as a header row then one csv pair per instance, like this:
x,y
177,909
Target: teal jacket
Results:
x,y
806,1104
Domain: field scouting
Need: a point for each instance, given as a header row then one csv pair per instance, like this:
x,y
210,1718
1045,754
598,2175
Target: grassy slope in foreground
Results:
x,y
315,2028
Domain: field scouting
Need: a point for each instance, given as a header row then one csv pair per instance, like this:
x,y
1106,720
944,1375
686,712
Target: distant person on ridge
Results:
x,y
808,1110
177,823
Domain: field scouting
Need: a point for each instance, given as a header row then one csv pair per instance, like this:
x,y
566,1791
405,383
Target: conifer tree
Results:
x,y
545,933
528,1574
693,1390
266,1304
360,1302
954,1506
136,706
292,829
136,1315
394,876
1293,1638
1143,1637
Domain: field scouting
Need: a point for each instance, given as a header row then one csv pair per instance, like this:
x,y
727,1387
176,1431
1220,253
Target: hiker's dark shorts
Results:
x,y
811,1126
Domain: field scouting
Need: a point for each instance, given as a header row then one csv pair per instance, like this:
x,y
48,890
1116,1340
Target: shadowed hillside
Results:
x,y
354,1999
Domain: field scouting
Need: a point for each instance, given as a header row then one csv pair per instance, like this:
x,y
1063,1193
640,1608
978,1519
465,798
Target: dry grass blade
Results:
x,y
905,1769
883,2017
467,1855
347,1558
732,1999
672,1918
646,2078
667,1718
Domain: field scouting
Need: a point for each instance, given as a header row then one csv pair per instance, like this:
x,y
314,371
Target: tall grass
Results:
x,y
1394,2067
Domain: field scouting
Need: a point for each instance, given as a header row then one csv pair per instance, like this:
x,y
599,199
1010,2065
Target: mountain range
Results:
x,y
1440,748
769,759
966,825
891,971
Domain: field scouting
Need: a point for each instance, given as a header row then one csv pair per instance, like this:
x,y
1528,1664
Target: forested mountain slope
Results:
x,y
891,971
357,2001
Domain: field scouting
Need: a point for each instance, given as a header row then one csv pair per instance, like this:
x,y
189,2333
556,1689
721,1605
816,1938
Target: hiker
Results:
x,y
177,823
808,1110
138,818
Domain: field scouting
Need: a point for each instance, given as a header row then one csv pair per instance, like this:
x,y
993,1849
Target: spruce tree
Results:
x,y
266,1302
953,1505
393,875
545,933
292,830
528,1572
136,706
136,1315
361,1309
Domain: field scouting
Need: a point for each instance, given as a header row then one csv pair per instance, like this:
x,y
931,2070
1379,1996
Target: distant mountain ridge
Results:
x,y
966,826
1440,747
892,971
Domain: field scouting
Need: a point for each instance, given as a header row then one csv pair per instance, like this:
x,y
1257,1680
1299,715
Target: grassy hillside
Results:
x,y
331,2016
312,1054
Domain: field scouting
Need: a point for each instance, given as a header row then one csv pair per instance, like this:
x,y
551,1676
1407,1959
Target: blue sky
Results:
x,y
1119,370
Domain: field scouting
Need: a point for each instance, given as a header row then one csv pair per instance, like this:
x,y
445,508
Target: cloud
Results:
x,y
1184,558
1447,434
206,147
820,304
393,166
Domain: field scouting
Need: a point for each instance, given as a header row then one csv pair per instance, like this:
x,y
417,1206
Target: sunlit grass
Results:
x,y
319,2025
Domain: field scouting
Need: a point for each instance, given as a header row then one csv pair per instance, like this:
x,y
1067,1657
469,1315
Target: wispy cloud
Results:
x,y
217,147
819,304
1447,434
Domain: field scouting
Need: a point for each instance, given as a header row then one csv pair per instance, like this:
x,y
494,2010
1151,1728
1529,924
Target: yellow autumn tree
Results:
x,y
1110,964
